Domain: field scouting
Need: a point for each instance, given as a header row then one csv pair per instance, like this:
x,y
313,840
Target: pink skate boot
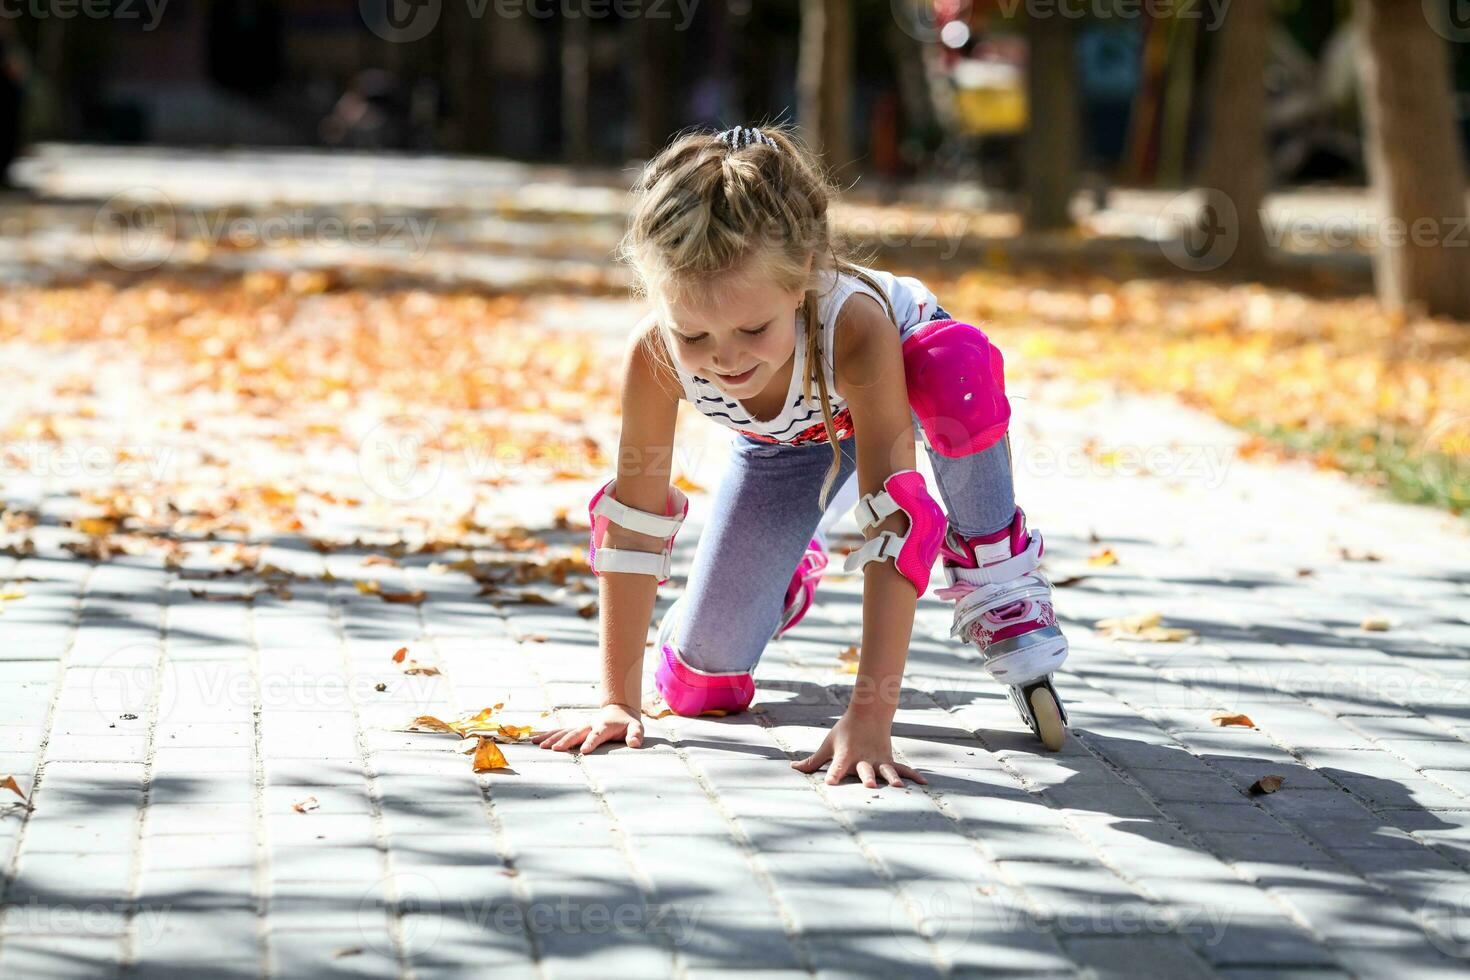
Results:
x,y
1003,605
803,587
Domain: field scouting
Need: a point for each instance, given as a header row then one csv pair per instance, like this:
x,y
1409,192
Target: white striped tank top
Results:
x,y
800,419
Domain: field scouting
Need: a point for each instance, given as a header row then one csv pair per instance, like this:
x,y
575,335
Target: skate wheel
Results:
x,y
1049,725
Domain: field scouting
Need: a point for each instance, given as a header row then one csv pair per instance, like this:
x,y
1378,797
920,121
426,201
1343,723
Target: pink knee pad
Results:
x,y
691,692
956,382
914,551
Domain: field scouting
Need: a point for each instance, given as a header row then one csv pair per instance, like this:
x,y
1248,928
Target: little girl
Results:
x,y
822,367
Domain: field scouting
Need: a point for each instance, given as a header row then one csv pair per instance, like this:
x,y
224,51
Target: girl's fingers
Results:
x,y
837,773
594,738
547,739
569,738
812,762
909,773
634,737
888,772
865,773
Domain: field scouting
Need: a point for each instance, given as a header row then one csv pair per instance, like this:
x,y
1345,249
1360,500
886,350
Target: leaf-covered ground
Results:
x,y
1336,381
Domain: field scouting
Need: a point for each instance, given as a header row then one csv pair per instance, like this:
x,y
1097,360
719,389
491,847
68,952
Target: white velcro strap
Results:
x,y
641,521
638,562
885,545
874,508
1004,571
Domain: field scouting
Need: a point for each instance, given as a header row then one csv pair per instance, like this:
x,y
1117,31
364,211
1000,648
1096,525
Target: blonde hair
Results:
x,y
706,206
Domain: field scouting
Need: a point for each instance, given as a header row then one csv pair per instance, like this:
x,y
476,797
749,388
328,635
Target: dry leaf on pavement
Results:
x,y
488,755
1144,626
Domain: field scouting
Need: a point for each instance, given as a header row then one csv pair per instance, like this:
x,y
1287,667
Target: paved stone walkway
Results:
x,y
168,743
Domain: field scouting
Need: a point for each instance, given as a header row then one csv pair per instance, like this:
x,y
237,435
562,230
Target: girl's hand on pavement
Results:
x,y
860,747
614,723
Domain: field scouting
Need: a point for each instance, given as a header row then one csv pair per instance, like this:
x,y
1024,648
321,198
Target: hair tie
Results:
x,y
739,137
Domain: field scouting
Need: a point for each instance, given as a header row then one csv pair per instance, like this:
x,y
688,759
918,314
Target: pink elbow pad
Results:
x,y
956,382
604,509
912,552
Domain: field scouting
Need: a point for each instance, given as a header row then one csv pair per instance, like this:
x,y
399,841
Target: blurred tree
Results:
x,y
1053,134
824,78
471,69
654,84
1233,171
576,73
1414,159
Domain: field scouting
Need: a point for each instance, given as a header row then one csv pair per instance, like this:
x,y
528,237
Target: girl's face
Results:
x,y
737,335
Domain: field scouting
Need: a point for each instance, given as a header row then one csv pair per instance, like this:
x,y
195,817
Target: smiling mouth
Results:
x,y
736,379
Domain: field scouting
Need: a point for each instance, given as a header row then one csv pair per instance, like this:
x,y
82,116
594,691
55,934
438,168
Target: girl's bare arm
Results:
x,y
870,376
650,404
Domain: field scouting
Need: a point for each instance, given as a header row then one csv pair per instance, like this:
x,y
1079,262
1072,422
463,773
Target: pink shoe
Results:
x,y
803,587
1003,603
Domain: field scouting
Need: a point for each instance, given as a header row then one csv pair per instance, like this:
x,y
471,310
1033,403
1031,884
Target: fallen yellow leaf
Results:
x,y
1224,720
1376,624
1103,556
9,783
488,756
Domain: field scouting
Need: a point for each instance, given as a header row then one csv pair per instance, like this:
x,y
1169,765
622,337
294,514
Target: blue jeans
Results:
x,y
765,513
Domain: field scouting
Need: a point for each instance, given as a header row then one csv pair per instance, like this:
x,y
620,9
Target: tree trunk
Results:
x,y
1414,160
1053,133
653,85
576,68
471,80
824,78
1233,173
